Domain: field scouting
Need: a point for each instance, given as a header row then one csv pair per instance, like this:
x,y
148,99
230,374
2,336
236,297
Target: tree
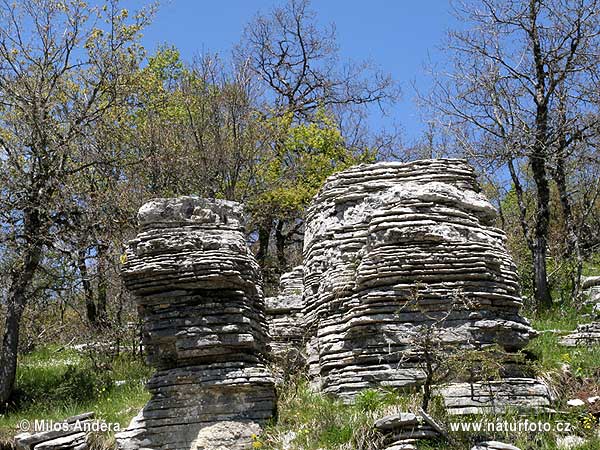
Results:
x,y
302,156
196,127
65,67
521,97
298,65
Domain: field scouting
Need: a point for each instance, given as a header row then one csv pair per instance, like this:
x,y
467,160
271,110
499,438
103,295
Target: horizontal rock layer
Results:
x,y
496,397
588,333
377,237
70,434
199,295
402,431
585,334
285,313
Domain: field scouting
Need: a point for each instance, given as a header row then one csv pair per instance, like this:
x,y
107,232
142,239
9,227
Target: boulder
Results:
x,y
590,282
403,430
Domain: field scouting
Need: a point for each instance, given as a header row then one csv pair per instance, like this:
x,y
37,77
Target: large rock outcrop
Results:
x,y
377,237
199,295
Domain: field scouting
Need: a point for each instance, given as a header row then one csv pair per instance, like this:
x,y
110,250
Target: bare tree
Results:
x,y
298,64
64,68
520,96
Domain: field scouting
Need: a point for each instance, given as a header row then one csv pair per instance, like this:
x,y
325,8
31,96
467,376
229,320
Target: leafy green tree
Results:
x,y
521,99
298,65
301,157
65,68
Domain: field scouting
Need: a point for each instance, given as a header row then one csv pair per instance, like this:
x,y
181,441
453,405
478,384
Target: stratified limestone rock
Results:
x,y
403,430
199,295
71,434
588,333
591,290
284,313
590,282
496,397
585,334
379,235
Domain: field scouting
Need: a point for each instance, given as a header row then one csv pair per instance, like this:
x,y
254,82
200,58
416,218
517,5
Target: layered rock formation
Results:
x,y
284,313
71,434
585,334
588,333
393,246
199,295
403,430
494,397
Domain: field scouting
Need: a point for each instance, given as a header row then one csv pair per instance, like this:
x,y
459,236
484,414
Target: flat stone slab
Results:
x,y
585,334
494,445
397,421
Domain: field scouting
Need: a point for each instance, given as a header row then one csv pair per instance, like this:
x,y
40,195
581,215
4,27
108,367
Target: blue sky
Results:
x,y
398,35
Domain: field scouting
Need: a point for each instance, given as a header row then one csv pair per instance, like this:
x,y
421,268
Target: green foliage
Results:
x,y
54,385
302,156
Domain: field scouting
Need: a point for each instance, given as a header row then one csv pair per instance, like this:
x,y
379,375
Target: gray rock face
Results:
x,y
590,282
199,295
591,293
284,313
585,334
495,397
375,234
403,430
588,333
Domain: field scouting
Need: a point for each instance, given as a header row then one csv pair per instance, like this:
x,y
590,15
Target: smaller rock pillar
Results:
x,y
199,294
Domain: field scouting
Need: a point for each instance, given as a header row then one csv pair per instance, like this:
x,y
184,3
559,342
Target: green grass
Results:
x,y
551,356
310,421
54,385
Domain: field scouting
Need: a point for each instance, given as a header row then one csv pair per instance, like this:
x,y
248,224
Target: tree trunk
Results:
x,y
280,244
264,237
90,304
538,166
537,159
102,275
17,299
573,247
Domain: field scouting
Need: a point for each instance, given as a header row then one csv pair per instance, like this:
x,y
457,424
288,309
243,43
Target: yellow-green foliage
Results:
x,y
302,155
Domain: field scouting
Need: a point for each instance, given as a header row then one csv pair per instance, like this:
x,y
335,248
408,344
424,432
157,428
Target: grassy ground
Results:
x,y
54,384
310,421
